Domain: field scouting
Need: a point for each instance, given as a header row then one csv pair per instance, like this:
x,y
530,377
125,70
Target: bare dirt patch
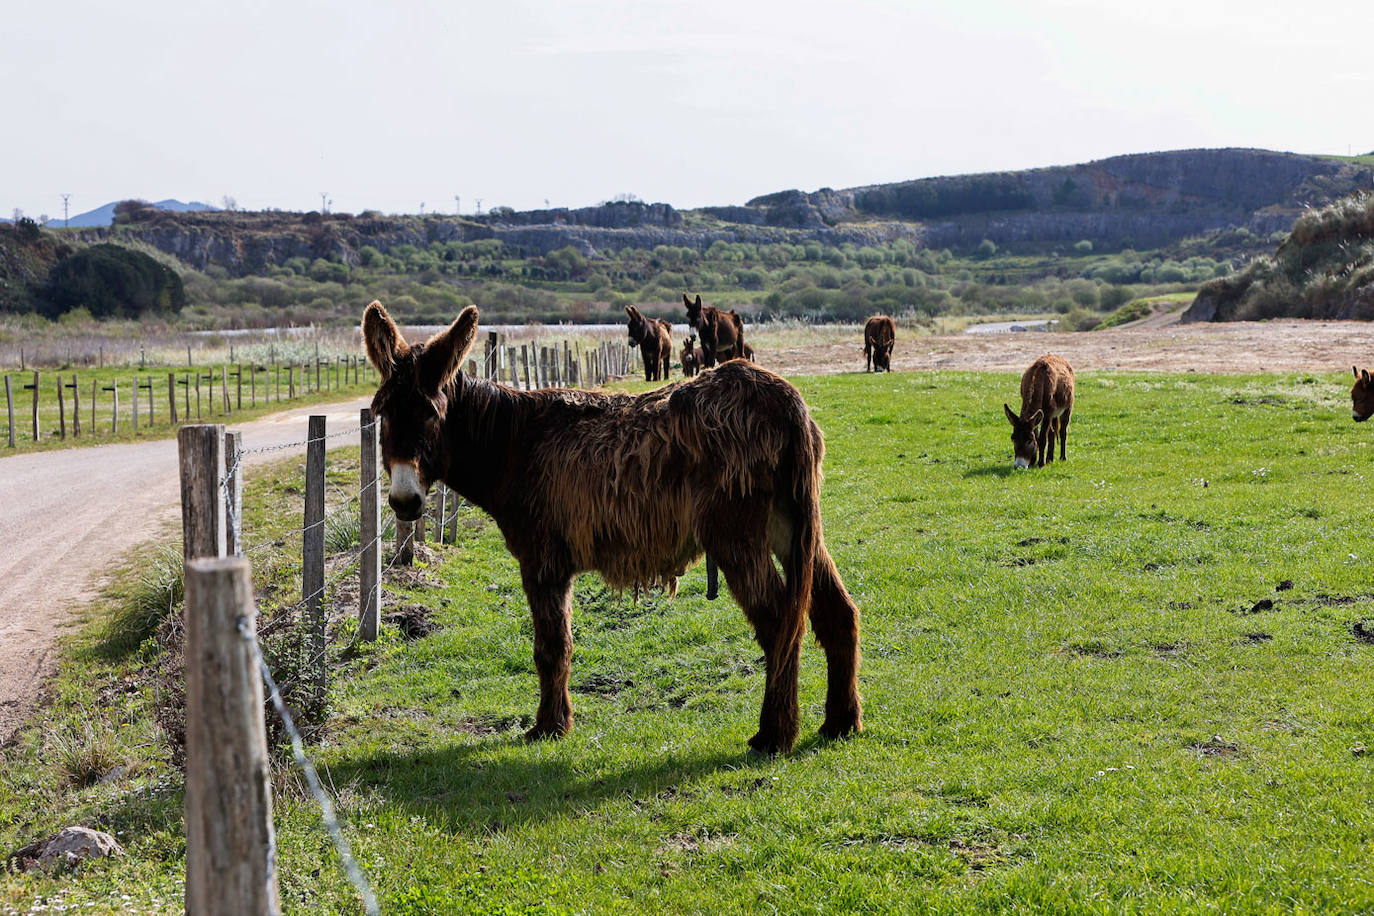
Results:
x,y
1260,346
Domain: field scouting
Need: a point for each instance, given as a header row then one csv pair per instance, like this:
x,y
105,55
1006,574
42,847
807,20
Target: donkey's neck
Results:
x,y
484,432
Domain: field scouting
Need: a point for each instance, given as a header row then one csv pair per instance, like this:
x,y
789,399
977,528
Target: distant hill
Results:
x,y
1143,201
1323,269
104,216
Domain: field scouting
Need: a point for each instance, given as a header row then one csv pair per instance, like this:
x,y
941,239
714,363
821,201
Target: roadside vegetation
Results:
x,y
1133,682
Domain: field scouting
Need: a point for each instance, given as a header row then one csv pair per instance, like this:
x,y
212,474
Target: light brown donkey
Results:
x,y
1046,402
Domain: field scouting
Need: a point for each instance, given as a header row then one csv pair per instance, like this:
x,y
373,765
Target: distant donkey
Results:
x,y
1362,395
635,487
1046,402
691,357
879,336
722,333
654,337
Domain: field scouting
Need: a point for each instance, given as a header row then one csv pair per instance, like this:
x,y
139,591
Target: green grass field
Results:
x,y
1076,697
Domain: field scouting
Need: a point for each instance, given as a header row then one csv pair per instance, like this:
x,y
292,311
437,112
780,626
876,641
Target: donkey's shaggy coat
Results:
x,y
635,487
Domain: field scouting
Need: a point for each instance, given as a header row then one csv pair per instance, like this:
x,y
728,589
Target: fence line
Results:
x,y
211,469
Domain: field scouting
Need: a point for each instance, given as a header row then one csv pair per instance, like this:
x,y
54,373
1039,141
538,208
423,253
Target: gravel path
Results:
x,y
67,517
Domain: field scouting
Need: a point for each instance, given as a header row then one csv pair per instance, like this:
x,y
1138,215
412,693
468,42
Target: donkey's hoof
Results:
x,y
549,732
841,728
769,745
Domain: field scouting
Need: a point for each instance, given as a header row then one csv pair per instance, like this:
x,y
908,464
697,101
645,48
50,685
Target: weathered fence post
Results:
x,y
34,386
172,396
525,359
233,493
441,513
370,532
312,554
510,363
9,407
200,452
61,410
95,430
135,387
230,845
405,543
76,407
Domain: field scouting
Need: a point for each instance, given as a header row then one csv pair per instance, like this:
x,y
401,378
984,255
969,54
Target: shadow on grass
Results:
x,y
990,470
497,783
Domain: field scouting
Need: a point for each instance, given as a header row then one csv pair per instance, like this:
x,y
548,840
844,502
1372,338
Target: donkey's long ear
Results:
x,y
1036,418
685,301
631,311
1356,370
382,338
1011,414
698,302
444,352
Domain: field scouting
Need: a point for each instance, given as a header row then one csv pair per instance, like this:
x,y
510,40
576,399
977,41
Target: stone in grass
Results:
x,y
70,847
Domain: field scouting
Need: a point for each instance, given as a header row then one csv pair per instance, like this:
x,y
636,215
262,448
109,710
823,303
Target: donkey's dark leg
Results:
x,y
1045,426
550,598
835,621
743,556
1049,439
1064,431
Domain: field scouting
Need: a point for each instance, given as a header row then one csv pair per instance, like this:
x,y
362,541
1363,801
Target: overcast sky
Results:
x,y
388,105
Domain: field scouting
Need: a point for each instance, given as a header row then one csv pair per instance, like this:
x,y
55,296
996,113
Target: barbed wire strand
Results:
x,y
312,778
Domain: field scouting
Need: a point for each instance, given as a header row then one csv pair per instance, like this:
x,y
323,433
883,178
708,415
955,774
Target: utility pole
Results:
x,y
324,203
479,206
457,207
422,208
66,223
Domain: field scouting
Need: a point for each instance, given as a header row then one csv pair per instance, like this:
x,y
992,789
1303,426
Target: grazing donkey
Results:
x,y
634,487
1046,402
722,333
654,337
1362,395
879,336
691,357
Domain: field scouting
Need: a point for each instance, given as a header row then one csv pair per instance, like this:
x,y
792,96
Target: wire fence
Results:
x,y
217,500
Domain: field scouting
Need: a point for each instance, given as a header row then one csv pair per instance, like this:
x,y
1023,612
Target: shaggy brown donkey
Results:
x,y
632,486
1047,402
722,333
879,335
1362,395
654,337
691,357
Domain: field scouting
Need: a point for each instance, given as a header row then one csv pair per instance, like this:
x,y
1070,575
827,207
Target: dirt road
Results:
x,y
67,516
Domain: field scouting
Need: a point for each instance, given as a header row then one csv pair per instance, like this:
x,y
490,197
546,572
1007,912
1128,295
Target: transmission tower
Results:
x,y
324,202
65,222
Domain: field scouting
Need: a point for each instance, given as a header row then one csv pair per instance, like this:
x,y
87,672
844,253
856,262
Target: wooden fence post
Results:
x,y
34,386
510,363
230,846
200,452
76,407
61,410
405,543
453,518
135,387
9,407
95,430
441,511
233,493
172,396
525,359
312,555
370,532
113,388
